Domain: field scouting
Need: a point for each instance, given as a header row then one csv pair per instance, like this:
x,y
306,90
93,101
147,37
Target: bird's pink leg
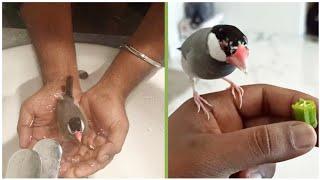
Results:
x,y
200,101
239,90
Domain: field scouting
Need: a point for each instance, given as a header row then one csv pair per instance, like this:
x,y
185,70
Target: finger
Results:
x,y
91,137
118,133
268,120
106,152
84,169
261,171
197,122
264,170
70,148
32,142
83,150
270,100
90,154
258,100
64,166
69,173
25,123
262,144
99,140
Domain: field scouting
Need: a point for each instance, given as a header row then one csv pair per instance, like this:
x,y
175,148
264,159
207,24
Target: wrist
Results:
x,y
114,84
110,90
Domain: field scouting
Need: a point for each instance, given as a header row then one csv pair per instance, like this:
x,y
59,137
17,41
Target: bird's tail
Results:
x,y
179,48
69,85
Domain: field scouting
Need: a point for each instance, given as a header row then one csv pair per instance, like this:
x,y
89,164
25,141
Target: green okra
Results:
x,y
306,111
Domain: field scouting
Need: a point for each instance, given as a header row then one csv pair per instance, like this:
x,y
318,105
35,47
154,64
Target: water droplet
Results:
x,y
91,147
58,95
75,160
91,164
101,132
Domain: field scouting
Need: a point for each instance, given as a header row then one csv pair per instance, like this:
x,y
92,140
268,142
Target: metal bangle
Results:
x,y
141,55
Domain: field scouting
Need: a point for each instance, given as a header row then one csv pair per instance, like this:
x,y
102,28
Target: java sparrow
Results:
x,y
213,53
72,122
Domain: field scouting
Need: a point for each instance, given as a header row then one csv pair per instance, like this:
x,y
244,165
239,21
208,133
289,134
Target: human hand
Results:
x,y
238,142
37,114
108,126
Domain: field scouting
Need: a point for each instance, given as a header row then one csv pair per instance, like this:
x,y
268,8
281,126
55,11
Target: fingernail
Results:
x,y
302,136
255,175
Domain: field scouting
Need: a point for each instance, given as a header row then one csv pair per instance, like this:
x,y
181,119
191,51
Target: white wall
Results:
x,y
272,17
268,17
175,14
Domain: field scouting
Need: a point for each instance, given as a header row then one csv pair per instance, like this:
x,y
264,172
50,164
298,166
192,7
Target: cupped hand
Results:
x,y
108,125
238,142
37,114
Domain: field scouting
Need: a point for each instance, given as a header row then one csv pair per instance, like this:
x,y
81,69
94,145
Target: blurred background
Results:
x,y
107,24
283,43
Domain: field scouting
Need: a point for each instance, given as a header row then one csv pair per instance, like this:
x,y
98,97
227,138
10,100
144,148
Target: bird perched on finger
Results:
x,y
213,53
72,122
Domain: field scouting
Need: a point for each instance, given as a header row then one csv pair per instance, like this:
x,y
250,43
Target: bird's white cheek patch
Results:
x,y
214,48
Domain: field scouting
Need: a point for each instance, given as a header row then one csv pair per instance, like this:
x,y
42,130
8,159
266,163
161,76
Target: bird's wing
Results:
x,y
187,63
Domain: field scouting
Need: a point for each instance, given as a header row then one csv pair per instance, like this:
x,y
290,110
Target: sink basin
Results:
x,y
143,152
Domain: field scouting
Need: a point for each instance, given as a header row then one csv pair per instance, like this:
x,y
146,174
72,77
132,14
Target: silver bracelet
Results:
x,y
141,55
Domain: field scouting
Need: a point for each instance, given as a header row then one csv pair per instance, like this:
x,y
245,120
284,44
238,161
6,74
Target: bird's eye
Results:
x,y
223,44
233,49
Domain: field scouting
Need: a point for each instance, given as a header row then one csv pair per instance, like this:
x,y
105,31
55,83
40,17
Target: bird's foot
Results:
x,y
201,102
239,90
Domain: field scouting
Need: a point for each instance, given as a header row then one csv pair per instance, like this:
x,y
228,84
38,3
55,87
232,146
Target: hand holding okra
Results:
x,y
238,142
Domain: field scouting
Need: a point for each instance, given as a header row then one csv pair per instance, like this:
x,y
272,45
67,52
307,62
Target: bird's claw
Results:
x,y
240,92
201,102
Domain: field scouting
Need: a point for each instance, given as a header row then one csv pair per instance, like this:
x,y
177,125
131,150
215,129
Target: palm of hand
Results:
x,y
108,126
37,116
99,145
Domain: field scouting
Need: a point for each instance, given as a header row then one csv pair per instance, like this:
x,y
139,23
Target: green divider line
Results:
x,y
166,88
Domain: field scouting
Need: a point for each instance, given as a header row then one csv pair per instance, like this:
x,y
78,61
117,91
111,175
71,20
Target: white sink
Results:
x,y
143,152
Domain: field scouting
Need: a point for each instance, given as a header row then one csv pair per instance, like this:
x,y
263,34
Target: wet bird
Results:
x,y
72,122
213,53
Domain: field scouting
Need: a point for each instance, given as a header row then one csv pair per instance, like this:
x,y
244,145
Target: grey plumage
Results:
x,y
213,53
67,111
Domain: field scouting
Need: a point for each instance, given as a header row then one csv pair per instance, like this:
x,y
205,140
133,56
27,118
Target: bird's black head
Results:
x,y
229,37
226,43
74,125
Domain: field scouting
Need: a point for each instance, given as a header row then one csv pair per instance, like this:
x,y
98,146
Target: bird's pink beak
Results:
x,y
78,135
239,58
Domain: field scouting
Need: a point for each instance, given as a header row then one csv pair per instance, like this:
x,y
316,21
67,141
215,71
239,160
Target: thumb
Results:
x,y
24,127
268,144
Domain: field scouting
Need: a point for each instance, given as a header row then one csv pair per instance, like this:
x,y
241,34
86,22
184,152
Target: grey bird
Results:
x,y
213,53
72,122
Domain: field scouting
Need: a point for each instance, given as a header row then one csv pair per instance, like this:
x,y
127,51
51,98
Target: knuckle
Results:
x,y
260,141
